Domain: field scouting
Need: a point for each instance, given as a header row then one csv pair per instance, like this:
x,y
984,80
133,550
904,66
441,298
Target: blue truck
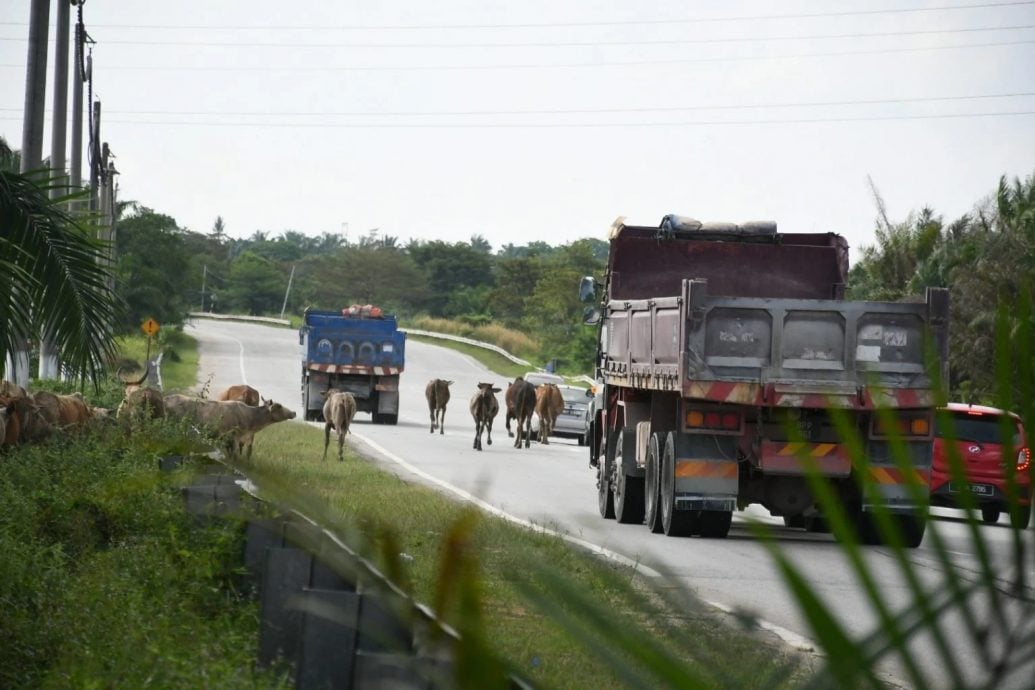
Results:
x,y
359,350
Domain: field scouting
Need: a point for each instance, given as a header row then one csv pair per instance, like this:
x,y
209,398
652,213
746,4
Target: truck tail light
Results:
x,y
713,419
1023,459
906,425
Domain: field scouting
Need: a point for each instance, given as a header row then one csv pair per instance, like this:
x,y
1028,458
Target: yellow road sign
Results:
x,y
150,327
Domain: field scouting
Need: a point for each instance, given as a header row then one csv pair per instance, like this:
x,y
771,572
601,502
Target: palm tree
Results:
x,y
56,274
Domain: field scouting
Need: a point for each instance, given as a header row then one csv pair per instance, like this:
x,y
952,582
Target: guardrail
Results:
x,y
468,341
237,317
326,610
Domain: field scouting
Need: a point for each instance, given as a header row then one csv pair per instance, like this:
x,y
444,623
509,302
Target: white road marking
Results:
x,y
790,637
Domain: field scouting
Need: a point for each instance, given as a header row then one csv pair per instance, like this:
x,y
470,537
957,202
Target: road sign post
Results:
x,y
149,327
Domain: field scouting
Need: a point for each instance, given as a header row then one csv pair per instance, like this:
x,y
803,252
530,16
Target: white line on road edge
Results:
x,y
488,507
790,637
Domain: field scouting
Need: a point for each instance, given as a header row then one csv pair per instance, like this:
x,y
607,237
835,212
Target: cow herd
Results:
x,y
234,416
522,399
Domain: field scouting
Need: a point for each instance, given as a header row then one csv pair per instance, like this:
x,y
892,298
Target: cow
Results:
x,y
484,409
523,396
339,407
242,393
140,401
10,389
548,404
233,421
437,393
20,412
508,400
63,411
3,426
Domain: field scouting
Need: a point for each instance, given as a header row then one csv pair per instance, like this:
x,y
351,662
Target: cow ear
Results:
x,y
449,383
496,390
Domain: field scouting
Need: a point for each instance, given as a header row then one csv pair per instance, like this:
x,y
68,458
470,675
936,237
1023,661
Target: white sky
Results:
x,y
604,108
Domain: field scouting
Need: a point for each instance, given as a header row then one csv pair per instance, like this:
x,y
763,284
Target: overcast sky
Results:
x,y
545,120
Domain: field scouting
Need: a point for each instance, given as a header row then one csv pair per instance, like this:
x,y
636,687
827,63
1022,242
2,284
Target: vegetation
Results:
x,y
107,582
56,273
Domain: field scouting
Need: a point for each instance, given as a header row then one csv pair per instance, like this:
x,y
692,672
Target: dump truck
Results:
x,y
724,351
358,349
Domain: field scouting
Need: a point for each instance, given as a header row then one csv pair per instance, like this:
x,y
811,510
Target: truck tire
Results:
x,y
605,499
652,487
674,523
912,528
391,419
628,491
715,524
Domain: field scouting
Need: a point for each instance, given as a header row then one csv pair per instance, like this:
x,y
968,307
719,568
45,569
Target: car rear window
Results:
x,y
977,428
574,395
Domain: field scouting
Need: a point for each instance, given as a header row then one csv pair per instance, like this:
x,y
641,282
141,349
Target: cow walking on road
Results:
x,y
339,407
484,409
524,406
549,403
508,401
437,393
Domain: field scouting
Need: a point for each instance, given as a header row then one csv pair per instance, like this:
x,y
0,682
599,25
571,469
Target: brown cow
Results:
x,y
10,389
523,395
548,404
140,401
484,409
339,407
234,422
437,393
63,411
508,400
242,393
15,409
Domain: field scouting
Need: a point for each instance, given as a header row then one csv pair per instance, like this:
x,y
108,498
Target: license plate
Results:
x,y
978,489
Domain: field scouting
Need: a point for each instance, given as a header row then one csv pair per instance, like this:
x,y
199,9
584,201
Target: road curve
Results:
x,y
552,486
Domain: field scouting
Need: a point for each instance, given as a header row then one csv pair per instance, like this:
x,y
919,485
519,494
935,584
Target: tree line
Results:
x,y
986,258
165,271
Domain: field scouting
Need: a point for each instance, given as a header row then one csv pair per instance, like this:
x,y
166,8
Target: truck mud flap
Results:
x,y
388,402
707,475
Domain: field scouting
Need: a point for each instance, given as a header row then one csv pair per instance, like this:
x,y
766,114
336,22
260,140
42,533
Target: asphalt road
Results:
x,y
552,486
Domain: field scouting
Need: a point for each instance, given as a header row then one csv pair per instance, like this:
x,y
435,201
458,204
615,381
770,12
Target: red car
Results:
x,y
979,443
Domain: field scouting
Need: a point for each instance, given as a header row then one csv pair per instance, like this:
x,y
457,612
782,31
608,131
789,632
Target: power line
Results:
x,y
558,44
565,125
536,25
550,65
567,111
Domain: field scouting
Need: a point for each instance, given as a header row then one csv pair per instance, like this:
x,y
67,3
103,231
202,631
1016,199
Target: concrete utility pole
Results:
x,y
76,157
288,291
95,157
17,364
49,365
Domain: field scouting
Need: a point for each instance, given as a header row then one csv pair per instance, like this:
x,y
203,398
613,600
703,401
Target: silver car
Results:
x,y
573,421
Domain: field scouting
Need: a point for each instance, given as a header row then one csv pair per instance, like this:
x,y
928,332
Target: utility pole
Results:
x,y
82,71
17,365
95,156
204,277
49,366
288,291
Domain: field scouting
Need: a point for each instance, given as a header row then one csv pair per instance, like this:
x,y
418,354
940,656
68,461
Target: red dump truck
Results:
x,y
723,349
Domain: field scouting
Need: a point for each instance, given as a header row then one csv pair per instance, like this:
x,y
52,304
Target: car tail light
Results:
x,y
1023,459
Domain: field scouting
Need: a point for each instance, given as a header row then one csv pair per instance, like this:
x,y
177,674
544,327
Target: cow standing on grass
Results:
x,y
484,409
549,403
437,393
232,421
524,405
140,401
339,407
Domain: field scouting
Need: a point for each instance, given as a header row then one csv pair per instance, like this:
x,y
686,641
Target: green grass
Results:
x,y
179,361
491,360
519,570
105,580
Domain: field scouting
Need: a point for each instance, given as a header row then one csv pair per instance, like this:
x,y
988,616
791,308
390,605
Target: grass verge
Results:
x,y
358,498
105,580
179,362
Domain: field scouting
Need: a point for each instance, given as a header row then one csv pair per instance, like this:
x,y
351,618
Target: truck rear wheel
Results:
x,y
628,491
715,524
605,499
675,523
652,488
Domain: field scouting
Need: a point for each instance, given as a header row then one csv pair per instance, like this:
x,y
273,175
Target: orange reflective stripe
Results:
x,y
705,468
892,475
816,450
